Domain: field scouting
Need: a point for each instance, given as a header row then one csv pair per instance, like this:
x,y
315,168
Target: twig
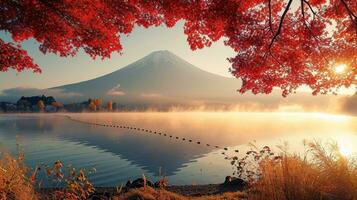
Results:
x,y
270,16
281,23
307,26
351,14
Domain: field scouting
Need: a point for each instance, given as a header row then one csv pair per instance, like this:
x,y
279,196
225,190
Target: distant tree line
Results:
x,y
32,104
49,104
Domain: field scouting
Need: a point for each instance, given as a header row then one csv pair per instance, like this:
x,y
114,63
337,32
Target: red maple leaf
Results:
x,y
279,43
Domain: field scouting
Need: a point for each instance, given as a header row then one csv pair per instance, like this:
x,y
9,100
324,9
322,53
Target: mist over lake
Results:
x,y
186,146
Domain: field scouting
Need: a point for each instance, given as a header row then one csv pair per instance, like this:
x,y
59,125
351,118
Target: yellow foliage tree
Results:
x,y
97,102
41,105
57,104
92,106
110,106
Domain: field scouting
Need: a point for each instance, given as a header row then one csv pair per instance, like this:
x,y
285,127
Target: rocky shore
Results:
x,y
231,184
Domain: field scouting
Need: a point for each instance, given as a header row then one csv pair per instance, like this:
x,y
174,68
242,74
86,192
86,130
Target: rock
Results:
x,y
98,197
138,183
235,182
128,184
228,180
95,197
107,194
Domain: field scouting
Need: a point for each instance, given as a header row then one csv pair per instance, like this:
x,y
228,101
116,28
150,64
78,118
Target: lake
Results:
x,y
186,147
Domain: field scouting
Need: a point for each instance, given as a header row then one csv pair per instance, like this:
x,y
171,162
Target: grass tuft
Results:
x,y
14,182
149,193
322,173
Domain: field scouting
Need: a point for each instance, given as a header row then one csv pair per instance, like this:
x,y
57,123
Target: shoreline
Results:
x,y
184,190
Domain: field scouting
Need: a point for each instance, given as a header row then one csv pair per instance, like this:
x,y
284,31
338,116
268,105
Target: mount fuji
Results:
x,y
160,77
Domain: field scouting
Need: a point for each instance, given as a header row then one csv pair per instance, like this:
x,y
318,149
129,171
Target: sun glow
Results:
x,y
339,69
345,146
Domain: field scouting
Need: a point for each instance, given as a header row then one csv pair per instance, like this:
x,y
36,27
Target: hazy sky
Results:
x,y
58,71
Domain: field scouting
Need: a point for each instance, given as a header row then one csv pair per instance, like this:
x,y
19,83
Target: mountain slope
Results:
x,y
159,77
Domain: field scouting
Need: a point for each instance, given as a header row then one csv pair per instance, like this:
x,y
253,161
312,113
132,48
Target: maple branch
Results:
x,y
348,9
307,25
308,28
304,21
351,14
281,23
276,59
310,7
303,12
270,16
314,13
63,15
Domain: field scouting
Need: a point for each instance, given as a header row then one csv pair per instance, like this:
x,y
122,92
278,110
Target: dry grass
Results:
x,y
152,194
17,181
14,182
320,174
76,183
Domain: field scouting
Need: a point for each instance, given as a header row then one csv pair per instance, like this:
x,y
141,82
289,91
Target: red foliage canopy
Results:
x,y
279,43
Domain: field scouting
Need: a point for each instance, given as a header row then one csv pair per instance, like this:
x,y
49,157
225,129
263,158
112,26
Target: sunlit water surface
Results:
x,y
123,154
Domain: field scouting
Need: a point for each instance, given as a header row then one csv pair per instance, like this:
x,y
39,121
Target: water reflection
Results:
x,y
147,152
230,129
121,154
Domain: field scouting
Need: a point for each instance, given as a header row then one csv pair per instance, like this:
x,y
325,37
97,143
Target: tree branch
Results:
x,y
270,17
351,14
308,4
280,24
64,16
348,9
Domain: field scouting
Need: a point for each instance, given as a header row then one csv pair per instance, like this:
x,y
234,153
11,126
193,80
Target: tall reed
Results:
x,y
322,173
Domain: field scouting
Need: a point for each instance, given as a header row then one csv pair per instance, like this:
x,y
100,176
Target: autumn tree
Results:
x,y
97,103
110,106
92,106
278,43
41,105
57,105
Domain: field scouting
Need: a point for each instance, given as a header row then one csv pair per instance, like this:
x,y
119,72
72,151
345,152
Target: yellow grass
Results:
x,y
321,174
14,182
160,194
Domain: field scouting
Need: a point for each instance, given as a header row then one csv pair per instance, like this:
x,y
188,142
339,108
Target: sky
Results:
x,y
58,71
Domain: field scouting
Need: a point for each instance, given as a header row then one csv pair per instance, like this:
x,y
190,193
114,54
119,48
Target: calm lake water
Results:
x,y
121,154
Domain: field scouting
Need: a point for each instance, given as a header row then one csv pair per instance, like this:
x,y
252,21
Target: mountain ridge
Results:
x,y
152,54
161,73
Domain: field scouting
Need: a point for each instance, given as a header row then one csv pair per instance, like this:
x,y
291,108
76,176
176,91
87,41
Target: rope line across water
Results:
x,y
143,130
